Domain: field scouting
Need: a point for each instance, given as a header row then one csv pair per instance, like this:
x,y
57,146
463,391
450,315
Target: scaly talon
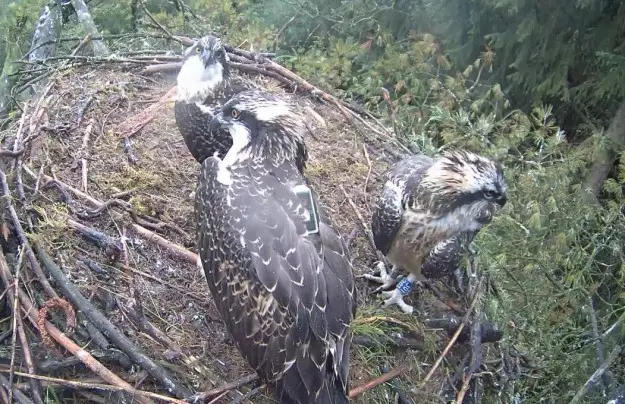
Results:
x,y
387,280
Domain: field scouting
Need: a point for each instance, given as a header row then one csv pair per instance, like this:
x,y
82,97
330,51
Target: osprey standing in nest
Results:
x,y
429,211
203,85
279,273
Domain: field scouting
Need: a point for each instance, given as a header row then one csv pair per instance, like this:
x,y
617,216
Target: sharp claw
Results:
x,y
395,297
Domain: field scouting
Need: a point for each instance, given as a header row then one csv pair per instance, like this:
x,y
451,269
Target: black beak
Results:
x,y
207,57
502,199
216,124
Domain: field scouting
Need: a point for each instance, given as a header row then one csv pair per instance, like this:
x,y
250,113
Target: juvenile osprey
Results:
x,y
430,210
279,273
203,85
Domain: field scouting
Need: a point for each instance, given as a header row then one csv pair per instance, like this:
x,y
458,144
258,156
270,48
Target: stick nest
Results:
x,y
144,177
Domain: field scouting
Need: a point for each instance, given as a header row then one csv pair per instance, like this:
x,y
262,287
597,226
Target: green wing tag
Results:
x,y
304,194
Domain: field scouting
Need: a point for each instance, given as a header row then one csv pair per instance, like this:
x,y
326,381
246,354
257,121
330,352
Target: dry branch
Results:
x,y
28,358
597,375
85,153
378,380
202,397
21,235
31,311
135,123
20,397
150,236
102,323
140,395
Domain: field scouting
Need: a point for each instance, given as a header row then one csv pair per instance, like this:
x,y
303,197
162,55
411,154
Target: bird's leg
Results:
x,y
459,278
396,296
387,280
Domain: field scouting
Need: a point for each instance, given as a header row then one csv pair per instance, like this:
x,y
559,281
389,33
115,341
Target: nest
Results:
x,y
101,200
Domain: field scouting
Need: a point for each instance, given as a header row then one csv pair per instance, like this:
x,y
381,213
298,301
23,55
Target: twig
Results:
x,y
134,311
15,316
454,338
365,228
158,24
202,397
17,145
111,248
85,152
154,238
378,380
21,235
607,377
247,395
30,310
597,375
476,351
364,188
102,323
150,236
283,28
104,387
400,342
19,396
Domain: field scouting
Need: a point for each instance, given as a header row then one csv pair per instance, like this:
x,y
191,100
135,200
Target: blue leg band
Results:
x,y
405,286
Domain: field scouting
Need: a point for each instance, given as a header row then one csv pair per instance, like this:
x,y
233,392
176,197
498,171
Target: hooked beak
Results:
x,y
218,123
207,57
501,200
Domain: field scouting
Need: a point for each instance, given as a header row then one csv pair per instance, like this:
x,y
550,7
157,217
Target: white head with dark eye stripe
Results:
x,y
262,126
204,68
462,183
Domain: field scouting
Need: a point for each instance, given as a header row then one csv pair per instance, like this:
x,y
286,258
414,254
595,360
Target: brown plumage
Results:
x,y
281,277
430,210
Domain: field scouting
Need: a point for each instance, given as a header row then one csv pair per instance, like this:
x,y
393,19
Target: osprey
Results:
x,y
428,211
203,85
279,273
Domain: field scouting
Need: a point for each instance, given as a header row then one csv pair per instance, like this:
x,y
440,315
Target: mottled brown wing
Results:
x,y
286,301
402,180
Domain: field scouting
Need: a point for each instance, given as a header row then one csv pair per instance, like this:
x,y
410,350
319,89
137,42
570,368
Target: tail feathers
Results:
x,y
332,392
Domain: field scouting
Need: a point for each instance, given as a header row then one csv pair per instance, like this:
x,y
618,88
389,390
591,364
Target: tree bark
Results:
x,y
600,169
89,27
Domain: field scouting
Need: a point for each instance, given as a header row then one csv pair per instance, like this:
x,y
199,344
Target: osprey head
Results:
x,y
262,126
466,186
204,68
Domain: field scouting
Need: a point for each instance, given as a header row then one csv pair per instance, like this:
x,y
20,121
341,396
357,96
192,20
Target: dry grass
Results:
x,y
161,184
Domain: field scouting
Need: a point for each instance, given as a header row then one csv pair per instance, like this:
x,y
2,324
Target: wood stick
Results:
x,y
202,397
597,374
20,397
454,338
21,235
103,324
15,311
150,236
28,358
31,311
378,380
98,386
85,152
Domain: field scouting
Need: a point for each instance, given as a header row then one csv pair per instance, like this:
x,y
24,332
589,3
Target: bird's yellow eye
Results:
x,y
235,113
198,50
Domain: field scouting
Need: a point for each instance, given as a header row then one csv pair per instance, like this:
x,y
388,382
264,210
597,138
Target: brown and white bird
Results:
x,y
204,84
280,274
429,211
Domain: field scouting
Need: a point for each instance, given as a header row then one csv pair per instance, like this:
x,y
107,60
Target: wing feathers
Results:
x,y
289,298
